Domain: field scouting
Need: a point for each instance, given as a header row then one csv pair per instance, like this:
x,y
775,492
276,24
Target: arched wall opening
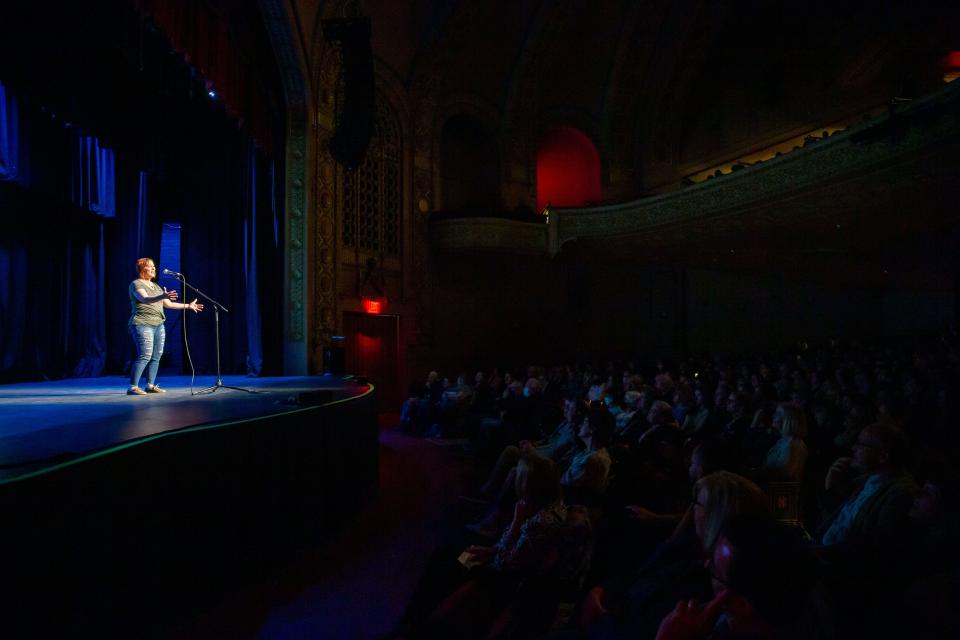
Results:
x,y
470,165
568,169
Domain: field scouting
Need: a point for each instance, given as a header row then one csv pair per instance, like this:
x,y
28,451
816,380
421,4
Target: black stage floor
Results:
x,y
124,511
47,423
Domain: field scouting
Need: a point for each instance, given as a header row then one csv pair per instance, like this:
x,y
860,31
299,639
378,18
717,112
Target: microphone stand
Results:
x,y
216,323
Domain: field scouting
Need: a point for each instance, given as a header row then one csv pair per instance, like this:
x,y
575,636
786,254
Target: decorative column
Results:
x,y
279,25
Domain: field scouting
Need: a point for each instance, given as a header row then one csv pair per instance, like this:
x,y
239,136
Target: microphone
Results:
x,y
167,272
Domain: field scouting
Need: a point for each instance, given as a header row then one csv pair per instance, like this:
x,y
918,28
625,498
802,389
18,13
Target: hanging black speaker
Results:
x,y
355,118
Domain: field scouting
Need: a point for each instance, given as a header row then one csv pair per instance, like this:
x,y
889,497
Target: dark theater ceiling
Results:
x,y
600,57
667,86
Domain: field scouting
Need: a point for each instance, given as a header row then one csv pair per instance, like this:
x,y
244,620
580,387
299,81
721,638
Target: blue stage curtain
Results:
x,y
52,288
52,254
9,135
13,310
252,294
85,326
106,204
92,178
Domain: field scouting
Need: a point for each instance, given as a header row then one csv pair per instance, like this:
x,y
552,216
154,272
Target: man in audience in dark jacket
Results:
x,y
869,510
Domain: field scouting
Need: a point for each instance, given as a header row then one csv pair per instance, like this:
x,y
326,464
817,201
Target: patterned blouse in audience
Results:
x,y
539,535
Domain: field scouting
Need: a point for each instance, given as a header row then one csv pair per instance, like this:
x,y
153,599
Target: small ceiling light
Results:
x,y
212,93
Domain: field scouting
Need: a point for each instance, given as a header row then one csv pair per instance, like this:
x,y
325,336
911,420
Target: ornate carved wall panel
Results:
x,y
325,254
372,195
360,214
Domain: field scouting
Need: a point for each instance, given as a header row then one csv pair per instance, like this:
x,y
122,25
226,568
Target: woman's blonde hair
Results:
x,y
794,421
727,495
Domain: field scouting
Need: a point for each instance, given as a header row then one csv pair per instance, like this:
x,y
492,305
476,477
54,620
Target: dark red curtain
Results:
x,y
202,33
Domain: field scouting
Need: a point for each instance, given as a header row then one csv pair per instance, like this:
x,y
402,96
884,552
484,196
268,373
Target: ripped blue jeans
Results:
x,y
149,341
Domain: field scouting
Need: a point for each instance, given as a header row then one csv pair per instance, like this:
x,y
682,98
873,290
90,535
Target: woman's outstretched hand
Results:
x,y
194,306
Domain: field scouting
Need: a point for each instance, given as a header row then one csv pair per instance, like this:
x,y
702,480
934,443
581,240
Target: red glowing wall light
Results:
x,y
373,305
952,60
568,169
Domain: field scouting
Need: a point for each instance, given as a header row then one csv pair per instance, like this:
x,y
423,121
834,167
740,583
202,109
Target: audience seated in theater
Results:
x,y
453,409
708,457
508,383
510,419
764,587
683,402
489,576
697,416
585,479
931,569
632,534
419,408
866,530
718,415
631,381
852,424
578,447
629,431
890,561
632,606
870,494
558,446
484,395
555,387
597,387
631,401
757,440
935,523
660,418
613,402
762,392
787,458
664,383
736,422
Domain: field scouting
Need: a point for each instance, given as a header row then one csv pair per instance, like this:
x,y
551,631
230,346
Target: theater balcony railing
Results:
x,y
907,129
495,232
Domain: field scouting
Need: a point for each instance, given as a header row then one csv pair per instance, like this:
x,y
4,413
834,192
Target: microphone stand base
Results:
x,y
219,385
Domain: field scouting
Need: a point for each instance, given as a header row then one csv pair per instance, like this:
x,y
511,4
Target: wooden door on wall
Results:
x,y
372,350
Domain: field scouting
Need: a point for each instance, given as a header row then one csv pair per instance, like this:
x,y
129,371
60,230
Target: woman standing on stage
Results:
x,y
147,302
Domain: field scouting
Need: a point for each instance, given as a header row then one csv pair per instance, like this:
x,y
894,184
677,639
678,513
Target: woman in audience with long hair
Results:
x,y
633,606
787,458
589,471
527,547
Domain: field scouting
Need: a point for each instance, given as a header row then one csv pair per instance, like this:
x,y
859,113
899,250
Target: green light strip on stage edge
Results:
x,y
176,432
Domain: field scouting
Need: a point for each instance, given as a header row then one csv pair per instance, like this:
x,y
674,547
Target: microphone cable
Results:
x,y
186,342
